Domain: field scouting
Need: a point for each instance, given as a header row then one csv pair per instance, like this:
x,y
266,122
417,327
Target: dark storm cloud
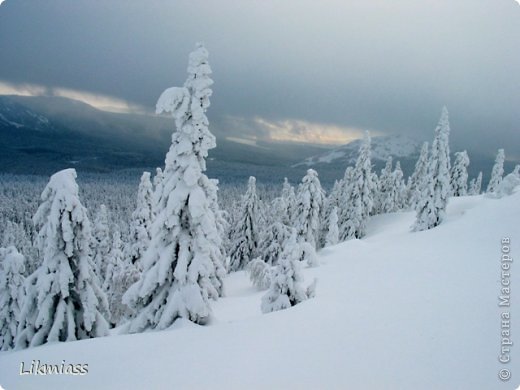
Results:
x,y
378,65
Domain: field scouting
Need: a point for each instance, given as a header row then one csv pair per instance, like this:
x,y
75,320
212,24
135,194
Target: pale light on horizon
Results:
x,y
99,101
293,130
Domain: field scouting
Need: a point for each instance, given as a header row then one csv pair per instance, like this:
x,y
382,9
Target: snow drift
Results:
x,y
394,310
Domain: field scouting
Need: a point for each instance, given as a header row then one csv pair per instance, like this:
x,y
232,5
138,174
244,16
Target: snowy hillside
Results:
x,y
17,116
397,146
395,310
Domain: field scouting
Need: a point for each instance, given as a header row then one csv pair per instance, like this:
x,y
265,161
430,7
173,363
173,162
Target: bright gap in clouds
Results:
x,y
301,131
101,102
251,130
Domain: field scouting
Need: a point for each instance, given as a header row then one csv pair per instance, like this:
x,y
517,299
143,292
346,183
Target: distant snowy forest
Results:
x,y
77,260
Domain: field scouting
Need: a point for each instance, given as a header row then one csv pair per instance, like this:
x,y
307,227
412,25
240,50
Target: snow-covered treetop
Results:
x,y
444,126
174,99
62,188
188,105
64,180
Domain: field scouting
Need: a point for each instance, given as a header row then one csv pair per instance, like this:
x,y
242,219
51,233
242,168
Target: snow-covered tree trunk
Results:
x,y
12,268
498,172
64,301
183,265
431,208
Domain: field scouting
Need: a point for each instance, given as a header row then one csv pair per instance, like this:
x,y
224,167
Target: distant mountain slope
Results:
x,y
40,135
397,146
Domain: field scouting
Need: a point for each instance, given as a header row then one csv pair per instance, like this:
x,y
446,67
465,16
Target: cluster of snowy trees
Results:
x,y
144,263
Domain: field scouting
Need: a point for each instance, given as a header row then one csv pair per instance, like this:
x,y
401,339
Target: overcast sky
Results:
x,y
316,71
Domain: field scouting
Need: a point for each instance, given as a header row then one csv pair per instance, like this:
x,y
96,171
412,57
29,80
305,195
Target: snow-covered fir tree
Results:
x,y
245,234
157,189
393,196
385,184
183,265
282,205
431,208
332,237
12,268
308,254
120,276
64,301
101,242
142,219
260,273
272,242
399,187
157,179
507,186
498,172
459,174
286,287
416,180
516,170
331,202
359,199
15,234
220,219
475,185
308,208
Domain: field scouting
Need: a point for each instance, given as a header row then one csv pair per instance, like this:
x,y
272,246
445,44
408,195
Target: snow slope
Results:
x,y
396,310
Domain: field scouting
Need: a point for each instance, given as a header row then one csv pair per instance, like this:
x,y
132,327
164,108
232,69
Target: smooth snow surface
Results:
x,y
395,310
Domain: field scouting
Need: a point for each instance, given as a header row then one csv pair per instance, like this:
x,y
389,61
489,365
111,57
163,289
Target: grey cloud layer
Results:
x,y
387,66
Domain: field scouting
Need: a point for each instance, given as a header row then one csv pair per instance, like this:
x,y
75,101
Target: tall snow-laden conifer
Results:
x,y
497,173
272,243
12,268
431,208
157,189
459,174
475,185
331,202
332,237
142,219
286,288
308,208
359,199
121,274
385,184
101,242
183,265
64,300
245,235
416,181
283,204
400,187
